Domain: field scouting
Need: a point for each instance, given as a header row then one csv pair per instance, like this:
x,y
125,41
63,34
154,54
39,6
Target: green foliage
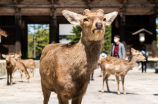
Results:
x,y
107,37
77,31
41,32
107,40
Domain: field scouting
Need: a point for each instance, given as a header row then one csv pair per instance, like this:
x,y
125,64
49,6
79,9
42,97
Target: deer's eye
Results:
x,y
85,19
104,19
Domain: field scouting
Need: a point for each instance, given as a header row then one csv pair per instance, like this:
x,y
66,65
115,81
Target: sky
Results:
x,y
31,29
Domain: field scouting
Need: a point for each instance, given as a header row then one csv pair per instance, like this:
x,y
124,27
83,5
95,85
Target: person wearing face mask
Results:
x,y
117,48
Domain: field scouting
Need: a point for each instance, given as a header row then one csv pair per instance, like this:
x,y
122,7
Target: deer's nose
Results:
x,y
99,25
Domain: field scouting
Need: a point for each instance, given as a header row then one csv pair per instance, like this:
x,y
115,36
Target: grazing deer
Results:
x,y
119,67
66,69
12,66
29,63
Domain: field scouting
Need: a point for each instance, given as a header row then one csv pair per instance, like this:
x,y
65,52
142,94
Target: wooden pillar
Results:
x,y
122,30
53,28
18,32
24,39
154,39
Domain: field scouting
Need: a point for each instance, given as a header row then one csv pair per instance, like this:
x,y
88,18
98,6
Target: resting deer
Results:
x,y
66,69
119,67
12,66
29,63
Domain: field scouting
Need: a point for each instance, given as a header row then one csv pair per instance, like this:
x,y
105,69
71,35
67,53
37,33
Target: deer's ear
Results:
x,y
72,17
110,17
132,50
3,55
19,55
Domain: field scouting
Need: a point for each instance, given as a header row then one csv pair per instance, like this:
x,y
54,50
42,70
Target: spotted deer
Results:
x,y
119,67
66,69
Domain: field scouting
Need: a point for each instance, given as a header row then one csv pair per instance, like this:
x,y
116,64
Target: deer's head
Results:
x,y
7,58
17,57
93,23
137,55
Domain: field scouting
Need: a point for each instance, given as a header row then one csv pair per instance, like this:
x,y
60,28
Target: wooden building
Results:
x,y
133,15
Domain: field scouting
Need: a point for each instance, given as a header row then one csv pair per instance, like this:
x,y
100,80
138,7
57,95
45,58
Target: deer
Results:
x,y
29,63
11,66
119,67
3,33
66,69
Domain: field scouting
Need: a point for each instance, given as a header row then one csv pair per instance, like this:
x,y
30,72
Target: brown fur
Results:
x,y
21,67
29,63
12,65
66,69
48,48
119,67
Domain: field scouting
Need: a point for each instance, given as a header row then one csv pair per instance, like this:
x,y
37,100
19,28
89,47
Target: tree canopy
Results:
x,y
41,34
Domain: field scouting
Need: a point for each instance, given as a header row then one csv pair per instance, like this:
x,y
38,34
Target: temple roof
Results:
x,y
46,7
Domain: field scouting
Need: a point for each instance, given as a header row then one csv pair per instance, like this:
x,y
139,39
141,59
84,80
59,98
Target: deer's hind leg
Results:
x,y
122,79
117,78
33,71
21,73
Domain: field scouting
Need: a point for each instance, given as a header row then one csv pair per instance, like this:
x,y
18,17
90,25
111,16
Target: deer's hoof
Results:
x,y
118,93
124,93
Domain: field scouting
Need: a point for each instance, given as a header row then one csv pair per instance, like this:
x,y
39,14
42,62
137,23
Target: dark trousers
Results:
x,y
143,67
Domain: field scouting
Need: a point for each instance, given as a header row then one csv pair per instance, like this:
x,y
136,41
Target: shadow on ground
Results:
x,y
155,94
2,78
113,92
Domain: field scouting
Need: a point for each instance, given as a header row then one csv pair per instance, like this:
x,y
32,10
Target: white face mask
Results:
x,y
115,40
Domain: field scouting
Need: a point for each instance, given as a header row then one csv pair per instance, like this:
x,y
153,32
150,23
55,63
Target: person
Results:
x,y
145,54
117,48
103,54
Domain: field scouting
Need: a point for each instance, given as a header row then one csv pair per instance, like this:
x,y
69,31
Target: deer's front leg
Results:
x,y
107,76
63,100
11,79
46,94
77,101
122,79
7,78
117,78
104,76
